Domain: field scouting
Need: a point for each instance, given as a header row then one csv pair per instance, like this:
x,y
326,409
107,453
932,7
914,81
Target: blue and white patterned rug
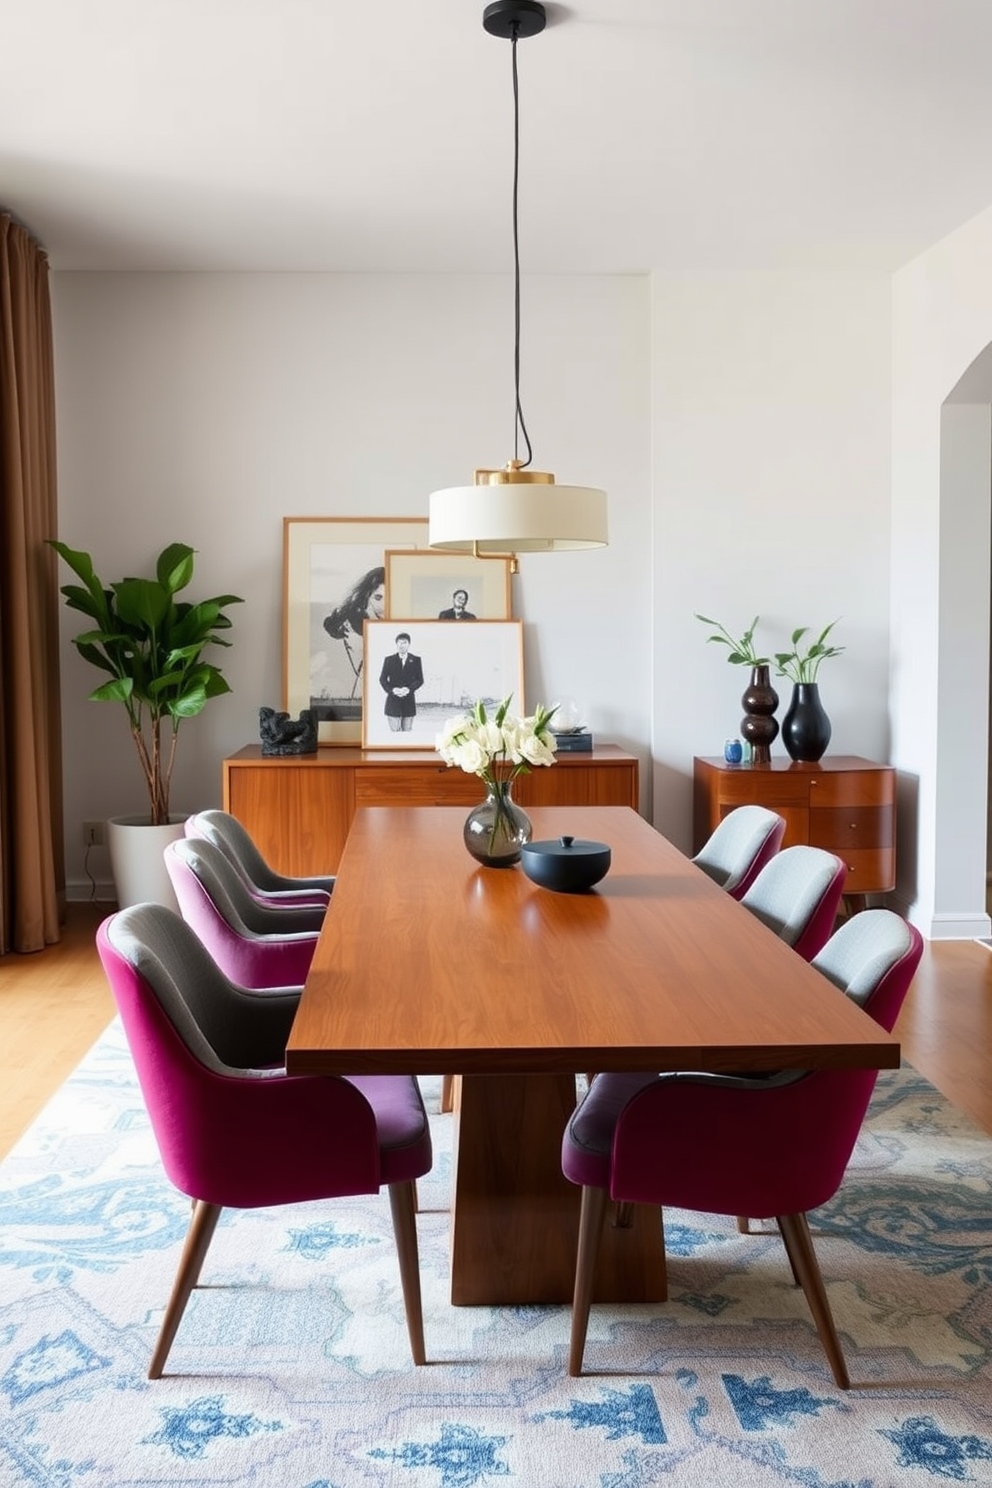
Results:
x,y
291,1368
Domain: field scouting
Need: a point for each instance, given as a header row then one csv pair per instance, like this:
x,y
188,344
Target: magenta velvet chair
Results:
x,y
797,894
238,846
771,1146
736,851
254,944
233,1129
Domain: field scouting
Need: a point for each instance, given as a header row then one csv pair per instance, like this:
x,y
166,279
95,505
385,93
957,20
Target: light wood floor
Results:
x,y
55,1004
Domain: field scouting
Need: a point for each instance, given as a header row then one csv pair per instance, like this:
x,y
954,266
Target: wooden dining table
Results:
x,y
429,964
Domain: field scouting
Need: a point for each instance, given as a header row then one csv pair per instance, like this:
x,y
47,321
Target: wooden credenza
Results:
x,y
299,808
843,803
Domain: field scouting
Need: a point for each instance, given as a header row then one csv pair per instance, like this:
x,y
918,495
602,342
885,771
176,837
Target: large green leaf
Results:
x,y
174,568
142,603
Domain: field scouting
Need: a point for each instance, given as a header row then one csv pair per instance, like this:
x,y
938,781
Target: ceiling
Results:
x,y
376,135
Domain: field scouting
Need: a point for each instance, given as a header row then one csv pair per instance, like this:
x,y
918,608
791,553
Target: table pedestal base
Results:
x,y
515,1218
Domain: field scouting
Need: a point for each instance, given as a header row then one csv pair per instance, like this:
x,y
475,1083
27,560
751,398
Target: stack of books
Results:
x,y
573,741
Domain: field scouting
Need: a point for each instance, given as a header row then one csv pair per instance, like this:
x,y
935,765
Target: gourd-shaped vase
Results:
x,y
758,726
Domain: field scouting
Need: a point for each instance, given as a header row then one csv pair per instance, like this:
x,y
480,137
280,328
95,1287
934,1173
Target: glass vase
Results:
x,y
497,828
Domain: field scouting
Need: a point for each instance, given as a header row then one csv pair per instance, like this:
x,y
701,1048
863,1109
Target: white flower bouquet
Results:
x,y
500,748
497,749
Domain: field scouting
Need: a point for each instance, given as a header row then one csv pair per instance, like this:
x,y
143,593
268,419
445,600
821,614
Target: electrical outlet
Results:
x,y
93,833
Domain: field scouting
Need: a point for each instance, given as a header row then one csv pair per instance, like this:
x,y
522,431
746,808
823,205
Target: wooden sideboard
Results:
x,y
298,808
843,803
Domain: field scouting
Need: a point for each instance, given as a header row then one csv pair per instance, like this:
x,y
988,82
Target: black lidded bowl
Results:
x,y
570,865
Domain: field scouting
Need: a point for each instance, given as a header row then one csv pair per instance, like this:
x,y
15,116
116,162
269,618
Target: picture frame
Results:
x,y
458,664
423,585
326,561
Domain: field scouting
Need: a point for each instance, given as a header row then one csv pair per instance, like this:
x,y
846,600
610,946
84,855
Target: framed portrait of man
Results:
x,y
446,586
420,673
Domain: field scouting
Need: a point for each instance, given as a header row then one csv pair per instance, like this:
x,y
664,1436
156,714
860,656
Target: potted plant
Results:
x,y
806,728
152,647
758,726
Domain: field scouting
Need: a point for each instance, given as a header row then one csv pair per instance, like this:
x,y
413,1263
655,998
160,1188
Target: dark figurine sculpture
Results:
x,y
281,734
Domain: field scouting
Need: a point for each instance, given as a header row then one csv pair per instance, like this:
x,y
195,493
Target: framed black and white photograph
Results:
x,y
446,586
334,580
419,673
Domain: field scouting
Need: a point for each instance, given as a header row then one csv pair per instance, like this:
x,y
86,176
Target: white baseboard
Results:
x,y
960,927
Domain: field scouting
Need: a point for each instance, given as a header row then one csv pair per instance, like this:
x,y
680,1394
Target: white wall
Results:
x,y
206,408
770,412
942,323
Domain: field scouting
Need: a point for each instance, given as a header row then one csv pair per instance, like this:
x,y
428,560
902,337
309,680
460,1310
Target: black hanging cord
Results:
x,y
519,426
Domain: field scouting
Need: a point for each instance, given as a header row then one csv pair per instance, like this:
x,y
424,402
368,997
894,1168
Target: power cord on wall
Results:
x,y
86,870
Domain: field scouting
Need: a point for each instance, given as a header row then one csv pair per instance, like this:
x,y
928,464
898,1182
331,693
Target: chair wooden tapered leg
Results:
x,y
402,1200
591,1217
792,1259
198,1238
805,1266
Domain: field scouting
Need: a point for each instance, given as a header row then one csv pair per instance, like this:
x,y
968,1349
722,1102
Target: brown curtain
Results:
x,y
32,875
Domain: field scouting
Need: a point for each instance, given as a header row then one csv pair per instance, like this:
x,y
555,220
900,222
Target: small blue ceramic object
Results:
x,y
569,865
733,751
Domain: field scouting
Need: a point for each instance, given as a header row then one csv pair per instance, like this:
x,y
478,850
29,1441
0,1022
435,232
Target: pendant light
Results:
x,y
514,509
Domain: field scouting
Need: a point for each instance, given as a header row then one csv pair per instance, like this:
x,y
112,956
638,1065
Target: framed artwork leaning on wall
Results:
x,y
334,576
446,586
420,673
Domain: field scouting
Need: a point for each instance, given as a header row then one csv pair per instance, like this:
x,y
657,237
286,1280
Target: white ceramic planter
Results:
x,y
136,848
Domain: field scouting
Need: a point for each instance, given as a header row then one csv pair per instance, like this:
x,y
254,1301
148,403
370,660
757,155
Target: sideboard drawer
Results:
x,y
853,788
844,829
869,870
746,787
425,786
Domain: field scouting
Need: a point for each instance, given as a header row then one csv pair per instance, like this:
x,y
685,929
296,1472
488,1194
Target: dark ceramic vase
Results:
x,y
758,726
806,727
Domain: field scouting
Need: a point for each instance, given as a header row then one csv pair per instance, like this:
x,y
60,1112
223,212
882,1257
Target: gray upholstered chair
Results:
x,y
255,944
797,895
237,844
233,1129
736,851
773,1146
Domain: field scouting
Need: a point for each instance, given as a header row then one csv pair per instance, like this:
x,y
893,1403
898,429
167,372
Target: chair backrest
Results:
x,y
736,851
238,846
255,945
230,1128
760,1147
873,957
797,895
